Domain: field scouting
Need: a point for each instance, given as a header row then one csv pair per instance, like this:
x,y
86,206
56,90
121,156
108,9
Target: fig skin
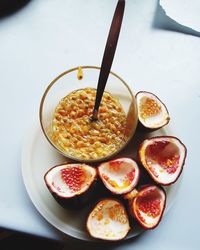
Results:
x,y
150,174
141,127
126,212
115,194
78,201
132,211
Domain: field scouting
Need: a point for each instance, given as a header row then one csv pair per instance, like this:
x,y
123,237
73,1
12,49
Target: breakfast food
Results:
x,y
72,185
75,185
74,133
152,113
120,176
108,220
163,157
147,205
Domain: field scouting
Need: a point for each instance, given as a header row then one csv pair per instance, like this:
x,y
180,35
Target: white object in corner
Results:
x,y
185,12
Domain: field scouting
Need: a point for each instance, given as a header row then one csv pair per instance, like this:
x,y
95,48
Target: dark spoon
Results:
x,y
108,56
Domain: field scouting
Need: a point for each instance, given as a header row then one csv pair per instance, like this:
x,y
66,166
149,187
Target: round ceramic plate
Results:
x,y
38,156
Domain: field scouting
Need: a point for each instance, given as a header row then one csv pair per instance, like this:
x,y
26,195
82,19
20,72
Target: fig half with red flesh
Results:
x,y
108,220
119,176
163,157
148,205
71,184
152,113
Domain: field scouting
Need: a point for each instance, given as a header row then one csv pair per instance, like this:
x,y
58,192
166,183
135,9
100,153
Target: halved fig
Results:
x,y
71,184
119,176
163,157
147,205
152,113
108,220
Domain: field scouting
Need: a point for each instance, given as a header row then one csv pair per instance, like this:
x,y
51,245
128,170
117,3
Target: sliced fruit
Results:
x,y
147,205
108,221
163,157
130,196
71,184
120,176
152,113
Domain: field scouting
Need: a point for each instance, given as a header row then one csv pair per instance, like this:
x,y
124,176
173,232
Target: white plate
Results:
x,y
38,156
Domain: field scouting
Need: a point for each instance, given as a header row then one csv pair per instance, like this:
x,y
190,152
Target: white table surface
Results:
x,y
48,37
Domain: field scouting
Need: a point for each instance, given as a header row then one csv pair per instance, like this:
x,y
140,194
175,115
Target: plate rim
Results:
x,y
46,214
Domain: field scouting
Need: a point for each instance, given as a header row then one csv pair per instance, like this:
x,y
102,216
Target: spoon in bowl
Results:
x,y
108,56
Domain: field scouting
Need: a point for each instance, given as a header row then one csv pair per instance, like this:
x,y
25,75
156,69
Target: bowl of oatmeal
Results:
x,y
66,108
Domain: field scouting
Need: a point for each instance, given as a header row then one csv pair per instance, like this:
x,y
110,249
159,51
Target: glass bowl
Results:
x,y
70,81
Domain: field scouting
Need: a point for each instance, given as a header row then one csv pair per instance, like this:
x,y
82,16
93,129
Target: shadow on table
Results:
x,y
9,7
79,245
25,241
162,21
11,240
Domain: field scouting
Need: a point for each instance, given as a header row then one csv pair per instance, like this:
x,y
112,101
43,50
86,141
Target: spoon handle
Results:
x,y
109,52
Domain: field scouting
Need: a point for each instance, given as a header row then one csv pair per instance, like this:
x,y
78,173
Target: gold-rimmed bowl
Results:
x,y
80,78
